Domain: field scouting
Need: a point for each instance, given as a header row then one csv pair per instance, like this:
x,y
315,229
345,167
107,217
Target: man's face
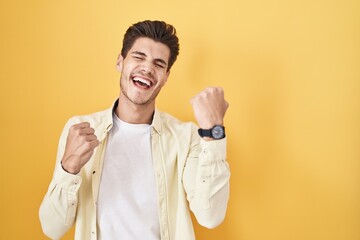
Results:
x,y
143,71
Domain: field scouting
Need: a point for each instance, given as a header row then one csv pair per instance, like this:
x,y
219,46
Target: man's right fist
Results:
x,y
80,145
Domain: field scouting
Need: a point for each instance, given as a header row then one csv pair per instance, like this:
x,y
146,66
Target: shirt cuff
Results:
x,y
67,179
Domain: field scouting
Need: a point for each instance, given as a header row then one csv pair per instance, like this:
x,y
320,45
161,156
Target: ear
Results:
x,y
119,63
167,76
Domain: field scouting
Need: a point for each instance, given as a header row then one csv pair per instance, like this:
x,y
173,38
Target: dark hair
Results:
x,y
158,31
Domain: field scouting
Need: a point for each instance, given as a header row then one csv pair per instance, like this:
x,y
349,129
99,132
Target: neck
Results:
x,y
133,113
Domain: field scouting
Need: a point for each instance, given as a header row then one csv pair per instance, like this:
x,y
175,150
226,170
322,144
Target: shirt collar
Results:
x,y
108,120
156,122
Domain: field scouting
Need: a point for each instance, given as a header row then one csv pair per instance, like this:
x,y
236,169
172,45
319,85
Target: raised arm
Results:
x,y
206,174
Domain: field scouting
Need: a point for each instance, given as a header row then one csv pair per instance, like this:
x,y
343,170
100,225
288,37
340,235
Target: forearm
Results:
x,y
58,209
206,181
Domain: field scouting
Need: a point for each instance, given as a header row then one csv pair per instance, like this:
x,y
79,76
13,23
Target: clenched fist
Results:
x,y
80,145
209,107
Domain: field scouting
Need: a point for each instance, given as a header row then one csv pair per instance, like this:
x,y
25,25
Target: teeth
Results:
x,y
138,79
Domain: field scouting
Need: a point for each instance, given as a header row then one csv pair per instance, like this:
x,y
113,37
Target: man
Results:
x,y
133,172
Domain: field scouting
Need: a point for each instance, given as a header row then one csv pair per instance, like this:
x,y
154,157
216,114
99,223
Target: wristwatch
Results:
x,y
216,132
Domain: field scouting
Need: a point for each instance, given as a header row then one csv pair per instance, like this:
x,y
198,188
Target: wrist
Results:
x,y
209,125
214,133
208,139
68,169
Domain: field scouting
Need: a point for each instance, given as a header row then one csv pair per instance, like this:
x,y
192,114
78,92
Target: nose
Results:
x,y
147,68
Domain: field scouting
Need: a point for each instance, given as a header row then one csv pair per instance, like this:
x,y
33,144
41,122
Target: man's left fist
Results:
x,y
209,107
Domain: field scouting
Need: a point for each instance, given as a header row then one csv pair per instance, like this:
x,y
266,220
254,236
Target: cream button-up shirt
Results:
x,y
191,174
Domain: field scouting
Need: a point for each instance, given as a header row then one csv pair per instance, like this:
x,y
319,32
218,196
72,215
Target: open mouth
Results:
x,y
142,82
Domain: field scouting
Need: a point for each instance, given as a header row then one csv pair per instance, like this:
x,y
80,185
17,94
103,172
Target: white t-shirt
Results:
x,y
127,202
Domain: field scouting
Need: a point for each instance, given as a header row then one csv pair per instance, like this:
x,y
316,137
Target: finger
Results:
x,y
220,93
94,143
89,146
82,125
91,137
87,131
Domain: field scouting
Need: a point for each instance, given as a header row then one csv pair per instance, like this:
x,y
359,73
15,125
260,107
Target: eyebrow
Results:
x,y
144,55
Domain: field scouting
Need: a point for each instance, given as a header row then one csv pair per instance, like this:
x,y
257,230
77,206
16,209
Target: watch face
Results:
x,y
218,132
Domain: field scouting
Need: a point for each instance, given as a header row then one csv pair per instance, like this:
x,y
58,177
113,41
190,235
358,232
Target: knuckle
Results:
x,y
72,128
76,131
206,92
196,98
79,141
209,89
87,145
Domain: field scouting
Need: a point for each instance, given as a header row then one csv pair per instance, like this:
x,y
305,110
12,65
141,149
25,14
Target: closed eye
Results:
x,y
159,65
138,55
142,56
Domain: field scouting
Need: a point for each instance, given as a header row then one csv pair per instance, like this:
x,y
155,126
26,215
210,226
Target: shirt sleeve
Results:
x,y
58,209
206,180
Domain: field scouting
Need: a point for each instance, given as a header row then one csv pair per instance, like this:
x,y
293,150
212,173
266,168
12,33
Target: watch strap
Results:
x,y
204,132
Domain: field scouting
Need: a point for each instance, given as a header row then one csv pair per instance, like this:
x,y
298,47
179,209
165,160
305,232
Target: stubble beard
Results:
x,y
137,101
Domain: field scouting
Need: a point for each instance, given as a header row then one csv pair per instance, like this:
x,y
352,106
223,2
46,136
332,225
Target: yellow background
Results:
x,y
290,70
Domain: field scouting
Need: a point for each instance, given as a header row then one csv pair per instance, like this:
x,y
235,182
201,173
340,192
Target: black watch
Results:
x,y
216,132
